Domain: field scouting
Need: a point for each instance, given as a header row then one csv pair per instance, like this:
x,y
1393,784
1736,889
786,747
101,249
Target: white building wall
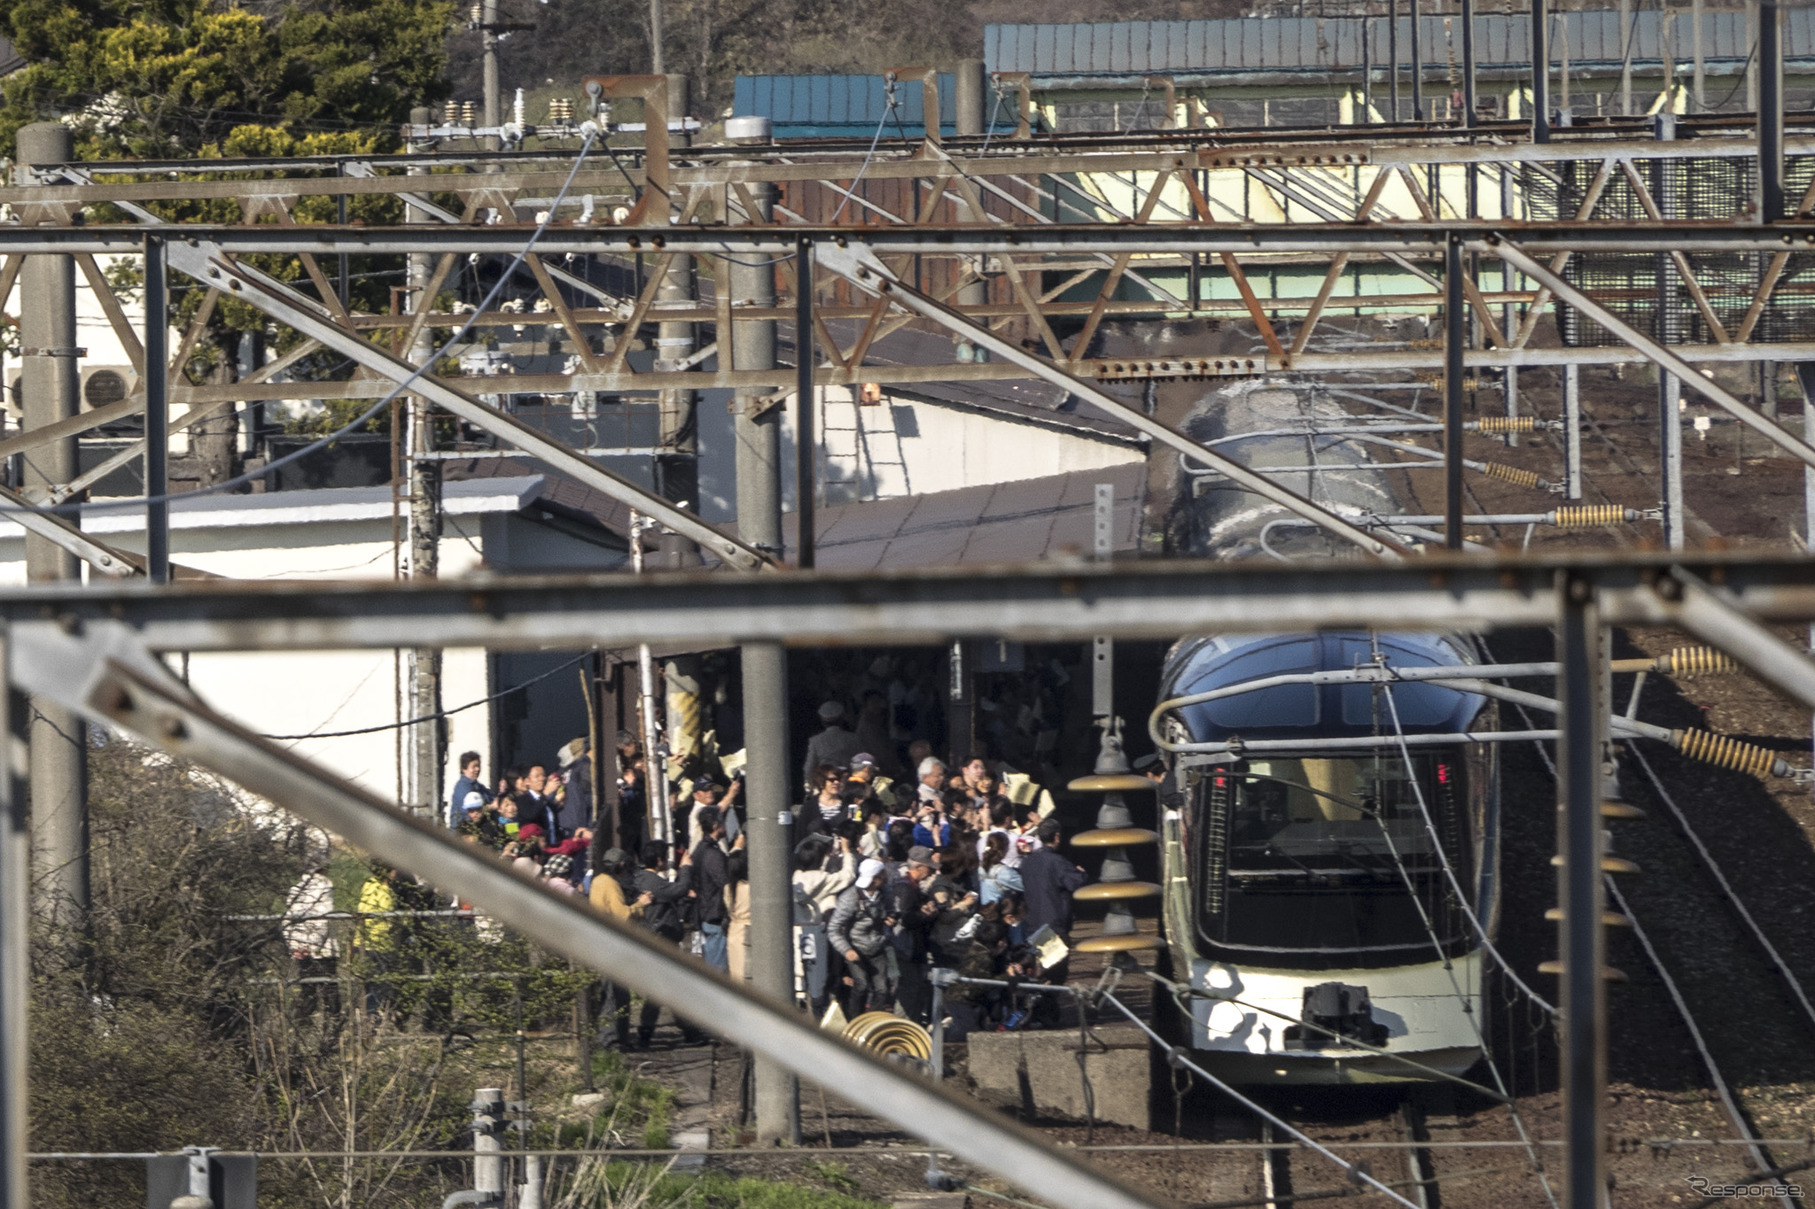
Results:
x,y
903,446
302,692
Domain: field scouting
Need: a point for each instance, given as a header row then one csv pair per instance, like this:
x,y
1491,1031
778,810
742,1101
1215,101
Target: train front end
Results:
x,y
1329,857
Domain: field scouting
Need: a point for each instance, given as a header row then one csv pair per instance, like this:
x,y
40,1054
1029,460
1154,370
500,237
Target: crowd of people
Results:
x,y
960,868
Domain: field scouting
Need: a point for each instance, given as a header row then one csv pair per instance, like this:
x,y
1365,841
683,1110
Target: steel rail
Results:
x,y
1174,1053
1792,982
129,690
1749,1138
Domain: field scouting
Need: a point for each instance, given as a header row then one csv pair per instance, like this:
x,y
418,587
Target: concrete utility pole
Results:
x,y
59,748
751,281
656,64
488,1130
969,93
425,756
488,41
971,89
677,468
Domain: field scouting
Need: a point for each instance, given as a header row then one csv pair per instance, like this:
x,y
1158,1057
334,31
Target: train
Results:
x,y
1328,832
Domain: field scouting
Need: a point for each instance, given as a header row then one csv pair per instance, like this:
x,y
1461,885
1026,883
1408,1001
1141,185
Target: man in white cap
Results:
x,y
835,745
861,930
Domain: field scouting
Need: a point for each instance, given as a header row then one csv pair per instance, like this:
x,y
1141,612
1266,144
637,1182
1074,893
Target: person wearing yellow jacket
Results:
x,y
607,894
375,939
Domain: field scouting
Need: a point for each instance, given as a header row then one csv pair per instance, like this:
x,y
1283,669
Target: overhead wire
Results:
x,y
241,480
1450,872
889,104
1493,1068
1751,1141
372,730
1175,1053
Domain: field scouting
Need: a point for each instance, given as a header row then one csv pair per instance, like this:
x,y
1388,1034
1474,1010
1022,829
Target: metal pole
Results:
x,y
1367,77
488,1123
1453,341
658,819
342,282
769,824
1770,112
1669,389
15,945
1701,75
1808,525
47,329
488,42
806,441
1417,66
1471,173
1626,40
1752,63
423,664
157,415
1468,64
1581,898
678,467
657,67
768,792
1540,73
1572,431
939,979
1509,281
1392,55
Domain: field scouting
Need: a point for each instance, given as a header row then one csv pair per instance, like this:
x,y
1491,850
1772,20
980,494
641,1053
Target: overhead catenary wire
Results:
x,y
135,503
1449,871
888,107
1536,1163
385,726
1177,1054
1751,1141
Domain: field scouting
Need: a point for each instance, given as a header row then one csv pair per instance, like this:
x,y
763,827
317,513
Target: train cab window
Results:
x,y
1327,861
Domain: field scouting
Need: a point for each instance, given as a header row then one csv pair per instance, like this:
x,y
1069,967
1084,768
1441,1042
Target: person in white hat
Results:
x,y
835,745
861,931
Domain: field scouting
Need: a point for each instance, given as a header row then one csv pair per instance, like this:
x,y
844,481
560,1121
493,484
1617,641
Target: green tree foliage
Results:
x,y
713,41
177,77
126,1027
207,79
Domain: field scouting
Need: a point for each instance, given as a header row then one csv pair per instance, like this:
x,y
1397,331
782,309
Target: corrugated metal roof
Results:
x,y
821,106
1334,43
975,526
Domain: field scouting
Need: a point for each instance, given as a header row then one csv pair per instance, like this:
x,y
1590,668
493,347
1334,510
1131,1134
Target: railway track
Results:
x,y
1717,1004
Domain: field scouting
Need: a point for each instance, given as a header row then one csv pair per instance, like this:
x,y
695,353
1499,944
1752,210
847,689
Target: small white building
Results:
x,y
349,535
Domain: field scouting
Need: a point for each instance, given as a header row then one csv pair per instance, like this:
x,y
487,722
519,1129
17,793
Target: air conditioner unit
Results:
x,y
99,385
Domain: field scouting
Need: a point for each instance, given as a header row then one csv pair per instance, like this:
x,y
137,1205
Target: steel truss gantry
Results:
x,y
97,651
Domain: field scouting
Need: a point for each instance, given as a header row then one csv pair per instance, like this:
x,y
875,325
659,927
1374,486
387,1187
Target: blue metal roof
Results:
x,y
840,106
1334,43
